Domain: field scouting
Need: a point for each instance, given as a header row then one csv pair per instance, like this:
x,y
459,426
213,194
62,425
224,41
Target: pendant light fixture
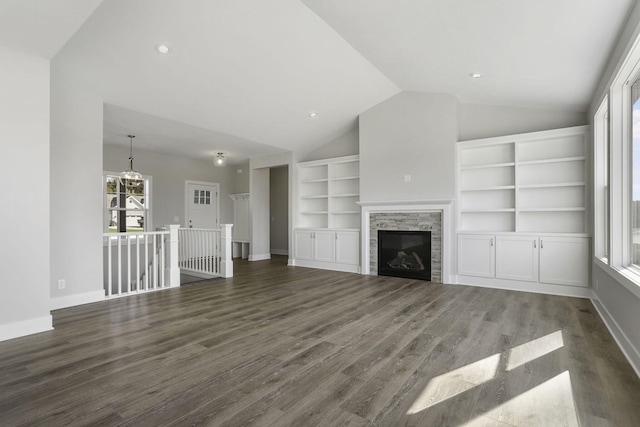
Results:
x,y
130,175
220,160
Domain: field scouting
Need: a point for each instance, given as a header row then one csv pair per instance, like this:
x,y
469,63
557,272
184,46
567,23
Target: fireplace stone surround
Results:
x,y
430,215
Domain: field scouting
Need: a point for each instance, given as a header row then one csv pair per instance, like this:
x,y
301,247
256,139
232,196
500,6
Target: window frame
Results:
x,y
601,182
618,263
148,220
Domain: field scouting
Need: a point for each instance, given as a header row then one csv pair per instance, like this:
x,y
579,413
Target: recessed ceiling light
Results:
x,y
163,48
475,75
313,114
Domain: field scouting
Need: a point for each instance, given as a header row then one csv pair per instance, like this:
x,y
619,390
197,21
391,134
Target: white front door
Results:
x,y
202,200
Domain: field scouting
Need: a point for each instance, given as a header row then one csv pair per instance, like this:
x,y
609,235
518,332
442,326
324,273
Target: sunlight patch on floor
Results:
x,y
548,404
537,402
534,349
455,382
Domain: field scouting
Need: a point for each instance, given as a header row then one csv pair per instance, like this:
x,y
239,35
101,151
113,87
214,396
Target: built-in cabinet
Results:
x,y
327,224
327,249
522,210
552,260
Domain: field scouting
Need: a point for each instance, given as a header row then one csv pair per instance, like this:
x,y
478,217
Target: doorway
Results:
x,y
202,205
279,210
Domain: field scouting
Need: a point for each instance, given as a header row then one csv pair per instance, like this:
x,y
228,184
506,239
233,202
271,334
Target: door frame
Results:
x,y
187,198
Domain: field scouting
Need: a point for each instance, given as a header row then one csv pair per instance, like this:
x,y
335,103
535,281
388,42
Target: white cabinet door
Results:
x,y
304,244
564,261
517,258
348,247
476,255
325,245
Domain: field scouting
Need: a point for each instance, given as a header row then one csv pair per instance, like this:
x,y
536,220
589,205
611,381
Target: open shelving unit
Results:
x,y
522,216
327,226
329,191
524,183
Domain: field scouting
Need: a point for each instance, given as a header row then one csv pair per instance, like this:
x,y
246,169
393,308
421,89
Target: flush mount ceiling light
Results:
x,y
131,177
313,114
220,159
163,48
475,75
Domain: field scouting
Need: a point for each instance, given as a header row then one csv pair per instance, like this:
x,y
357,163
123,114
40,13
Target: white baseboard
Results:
x,y
534,287
26,327
77,299
345,268
279,252
628,349
259,257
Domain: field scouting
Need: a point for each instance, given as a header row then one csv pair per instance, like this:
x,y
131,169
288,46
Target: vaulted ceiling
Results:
x,y
244,75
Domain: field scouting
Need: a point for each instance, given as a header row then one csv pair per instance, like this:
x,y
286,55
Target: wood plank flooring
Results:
x,y
292,346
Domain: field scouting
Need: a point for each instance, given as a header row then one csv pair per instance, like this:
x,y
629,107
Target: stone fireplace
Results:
x,y
431,216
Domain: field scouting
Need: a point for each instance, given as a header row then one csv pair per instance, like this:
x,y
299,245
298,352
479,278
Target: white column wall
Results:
x,y
24,172
76,192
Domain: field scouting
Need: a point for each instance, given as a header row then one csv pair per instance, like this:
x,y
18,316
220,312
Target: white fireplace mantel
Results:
x,y
444,206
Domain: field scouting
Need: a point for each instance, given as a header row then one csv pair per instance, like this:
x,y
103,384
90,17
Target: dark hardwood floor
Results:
x,y
286,346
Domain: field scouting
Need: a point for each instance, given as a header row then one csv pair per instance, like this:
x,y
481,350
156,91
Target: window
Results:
x,y
127,204
601,174
635,174
202,197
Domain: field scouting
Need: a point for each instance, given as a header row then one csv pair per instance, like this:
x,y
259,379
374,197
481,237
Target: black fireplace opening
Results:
x,y
404,254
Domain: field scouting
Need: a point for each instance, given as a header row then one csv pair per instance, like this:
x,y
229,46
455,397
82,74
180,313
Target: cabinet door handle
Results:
x,y
336,236
534,244
492,241
541,244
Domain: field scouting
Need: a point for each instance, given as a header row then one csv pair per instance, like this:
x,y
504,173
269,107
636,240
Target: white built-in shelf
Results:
x,y
553,210
488,210
345,178
328,193
555,185
535,182
497,188
346,212
547,161
489,166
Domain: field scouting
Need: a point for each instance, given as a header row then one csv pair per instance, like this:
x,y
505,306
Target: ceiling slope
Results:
x,y
42,27
543,53
253,69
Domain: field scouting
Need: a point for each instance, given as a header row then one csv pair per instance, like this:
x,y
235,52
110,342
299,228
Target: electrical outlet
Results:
x,y
407,178
62,284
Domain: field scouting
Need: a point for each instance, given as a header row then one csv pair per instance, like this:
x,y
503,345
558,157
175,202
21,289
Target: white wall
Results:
x,y
241,178
169,173
279,209
76,192
485,121
24,172
344,145
409,134
619,307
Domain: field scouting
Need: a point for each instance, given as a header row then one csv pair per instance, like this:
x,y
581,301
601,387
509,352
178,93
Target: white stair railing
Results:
x,y
206,252
140,262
